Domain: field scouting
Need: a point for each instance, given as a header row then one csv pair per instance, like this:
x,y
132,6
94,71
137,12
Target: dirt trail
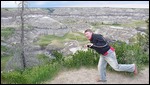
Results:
x,y
88,76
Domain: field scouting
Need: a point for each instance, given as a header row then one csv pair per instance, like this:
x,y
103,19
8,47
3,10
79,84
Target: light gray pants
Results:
x,y
110,58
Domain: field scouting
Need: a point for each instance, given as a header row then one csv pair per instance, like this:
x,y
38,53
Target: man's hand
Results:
x,y
89,45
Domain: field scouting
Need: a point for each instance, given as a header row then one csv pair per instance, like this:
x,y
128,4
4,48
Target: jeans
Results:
x,y
110,58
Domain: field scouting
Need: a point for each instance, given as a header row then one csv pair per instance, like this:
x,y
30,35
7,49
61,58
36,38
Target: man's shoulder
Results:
x,y
97,35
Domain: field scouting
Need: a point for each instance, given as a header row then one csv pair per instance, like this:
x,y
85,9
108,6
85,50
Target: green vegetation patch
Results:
x,y
4,61
59,41
7,32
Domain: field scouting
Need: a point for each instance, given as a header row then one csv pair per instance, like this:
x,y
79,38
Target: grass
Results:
x,y
3,48
31,76
99,24
59,41
7,32
45,59
4,57
68,21
4,61
132,24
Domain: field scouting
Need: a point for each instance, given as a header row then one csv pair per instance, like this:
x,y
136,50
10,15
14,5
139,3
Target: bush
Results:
x,y
31,76
68,63
83,58
128,54
58,57
14,77
41,73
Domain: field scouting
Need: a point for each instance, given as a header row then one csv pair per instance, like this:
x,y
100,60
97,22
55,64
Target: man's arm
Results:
x,y
100,42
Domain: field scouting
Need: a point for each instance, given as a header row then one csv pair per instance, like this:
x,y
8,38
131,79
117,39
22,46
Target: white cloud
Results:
x,y
108,4
9,4
136,5
117,6
131,6
40,3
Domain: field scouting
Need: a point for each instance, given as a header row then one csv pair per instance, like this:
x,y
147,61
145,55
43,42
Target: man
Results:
x,y
108,55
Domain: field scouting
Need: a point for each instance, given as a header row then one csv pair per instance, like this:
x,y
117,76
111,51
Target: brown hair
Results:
x,y
88,30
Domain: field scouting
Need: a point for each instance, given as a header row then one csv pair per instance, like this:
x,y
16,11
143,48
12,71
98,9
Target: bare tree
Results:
x,y
24,51
21,6
22,34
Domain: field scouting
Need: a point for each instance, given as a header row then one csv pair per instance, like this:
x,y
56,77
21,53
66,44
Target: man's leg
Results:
x,y
111,59
102,69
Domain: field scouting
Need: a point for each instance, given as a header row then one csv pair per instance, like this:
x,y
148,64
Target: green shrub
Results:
x,y
14,77
31,76
68,63
84,58
41,73
58,56
128,54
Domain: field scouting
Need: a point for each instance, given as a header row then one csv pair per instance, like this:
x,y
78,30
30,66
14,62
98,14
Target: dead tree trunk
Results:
x,y
22,35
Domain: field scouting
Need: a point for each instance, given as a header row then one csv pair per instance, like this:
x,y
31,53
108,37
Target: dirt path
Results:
x,y
88,76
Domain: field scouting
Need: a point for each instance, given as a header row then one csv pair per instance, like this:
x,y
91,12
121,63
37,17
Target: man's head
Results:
x,y
88,33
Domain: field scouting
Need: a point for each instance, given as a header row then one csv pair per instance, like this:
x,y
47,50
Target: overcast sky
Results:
x,y
120,4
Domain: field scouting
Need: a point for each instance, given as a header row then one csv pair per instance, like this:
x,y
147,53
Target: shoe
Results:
x,y
98,80
101,80
135,70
